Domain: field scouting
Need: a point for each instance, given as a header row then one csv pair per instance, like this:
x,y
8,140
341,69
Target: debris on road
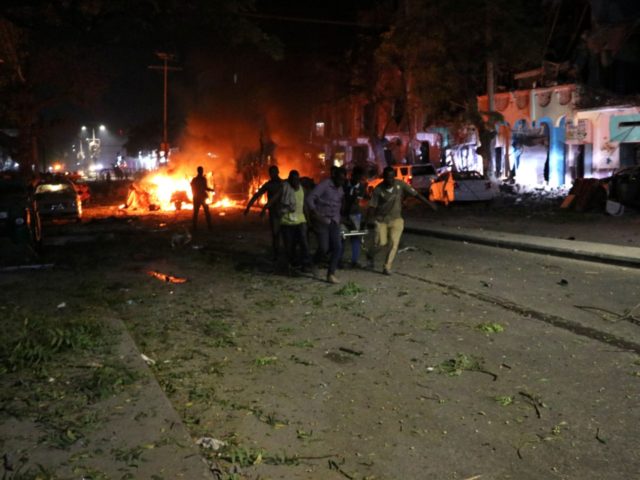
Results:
x,y
210,443
148,361
455,366
352,352
62,305
492,327
180,239
535,401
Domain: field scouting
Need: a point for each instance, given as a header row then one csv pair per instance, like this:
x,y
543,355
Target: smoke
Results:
x,y
223,146
240,118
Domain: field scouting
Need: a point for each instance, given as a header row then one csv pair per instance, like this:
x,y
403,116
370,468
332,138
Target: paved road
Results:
x,y
568,293
356,381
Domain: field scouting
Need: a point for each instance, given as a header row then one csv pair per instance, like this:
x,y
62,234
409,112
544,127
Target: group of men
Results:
x,y
332,203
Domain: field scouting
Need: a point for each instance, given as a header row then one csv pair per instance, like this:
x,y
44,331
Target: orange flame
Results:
x,y
166,278
165,186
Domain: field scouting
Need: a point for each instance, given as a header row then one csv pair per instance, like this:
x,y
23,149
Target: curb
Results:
x,y
578,250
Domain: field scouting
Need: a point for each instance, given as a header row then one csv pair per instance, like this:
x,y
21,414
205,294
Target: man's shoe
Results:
x,y
386,271
331,278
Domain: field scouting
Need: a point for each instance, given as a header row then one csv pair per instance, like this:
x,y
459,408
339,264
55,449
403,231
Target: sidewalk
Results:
x,y
584,236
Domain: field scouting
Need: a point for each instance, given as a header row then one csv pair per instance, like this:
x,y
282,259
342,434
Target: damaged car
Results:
x,y
462,186
58,200
624,186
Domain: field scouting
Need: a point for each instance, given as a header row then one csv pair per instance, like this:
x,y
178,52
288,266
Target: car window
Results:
x,y
54,188
423,170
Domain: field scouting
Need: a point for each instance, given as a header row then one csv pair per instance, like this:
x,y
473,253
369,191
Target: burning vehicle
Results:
x,y
169,191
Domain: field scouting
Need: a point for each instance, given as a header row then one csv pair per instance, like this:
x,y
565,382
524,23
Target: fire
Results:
x,y
165,277
167,189
167,192
224,202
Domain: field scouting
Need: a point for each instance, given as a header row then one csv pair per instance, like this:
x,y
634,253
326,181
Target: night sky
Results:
x,y
240,86
220,78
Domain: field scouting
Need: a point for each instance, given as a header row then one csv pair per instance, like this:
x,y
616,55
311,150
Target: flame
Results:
x,y
224,202
166,190
165,277
163,188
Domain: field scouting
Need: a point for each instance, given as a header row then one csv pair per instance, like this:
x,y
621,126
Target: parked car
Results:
x,y
19,219
58,200
624,186
465,186
418,175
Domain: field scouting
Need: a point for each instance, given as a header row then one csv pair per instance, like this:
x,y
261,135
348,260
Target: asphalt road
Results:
x,y
587,298
468,362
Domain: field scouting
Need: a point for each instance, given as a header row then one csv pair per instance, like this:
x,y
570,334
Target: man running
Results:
x,y
385,207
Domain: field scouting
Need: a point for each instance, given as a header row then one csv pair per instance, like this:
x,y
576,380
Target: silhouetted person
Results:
x,y
199,189
271,188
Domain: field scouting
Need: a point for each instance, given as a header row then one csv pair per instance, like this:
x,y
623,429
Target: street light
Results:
x,y
93,145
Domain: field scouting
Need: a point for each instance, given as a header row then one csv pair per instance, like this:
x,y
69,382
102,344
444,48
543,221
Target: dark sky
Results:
x,y
312,34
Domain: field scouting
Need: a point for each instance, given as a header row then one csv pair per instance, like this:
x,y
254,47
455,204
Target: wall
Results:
x,y
607,136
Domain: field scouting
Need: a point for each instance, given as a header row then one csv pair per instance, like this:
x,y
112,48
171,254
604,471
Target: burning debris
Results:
x,y
166,277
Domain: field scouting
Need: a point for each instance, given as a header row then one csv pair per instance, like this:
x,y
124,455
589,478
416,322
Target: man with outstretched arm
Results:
x,y
385,211
271,187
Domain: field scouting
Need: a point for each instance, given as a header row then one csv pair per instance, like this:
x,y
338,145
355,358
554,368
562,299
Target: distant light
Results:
x,y
102,128
83,128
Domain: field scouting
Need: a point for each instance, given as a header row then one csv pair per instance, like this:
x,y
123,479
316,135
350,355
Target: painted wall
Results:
x,y
607,135
548,106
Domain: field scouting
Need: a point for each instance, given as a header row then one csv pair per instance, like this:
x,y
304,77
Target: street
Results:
x,y
468,362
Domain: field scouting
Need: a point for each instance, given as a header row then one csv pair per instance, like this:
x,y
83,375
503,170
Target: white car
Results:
x,y
419,176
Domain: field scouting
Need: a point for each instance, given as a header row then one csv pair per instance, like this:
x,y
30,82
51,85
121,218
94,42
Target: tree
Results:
x,y
442,50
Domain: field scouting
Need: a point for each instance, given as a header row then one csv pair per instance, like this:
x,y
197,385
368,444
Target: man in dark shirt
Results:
x,y
325,205
199,189
385,207
271,188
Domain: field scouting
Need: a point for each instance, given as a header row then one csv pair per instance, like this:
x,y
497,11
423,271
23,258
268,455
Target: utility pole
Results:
x,y
165,57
